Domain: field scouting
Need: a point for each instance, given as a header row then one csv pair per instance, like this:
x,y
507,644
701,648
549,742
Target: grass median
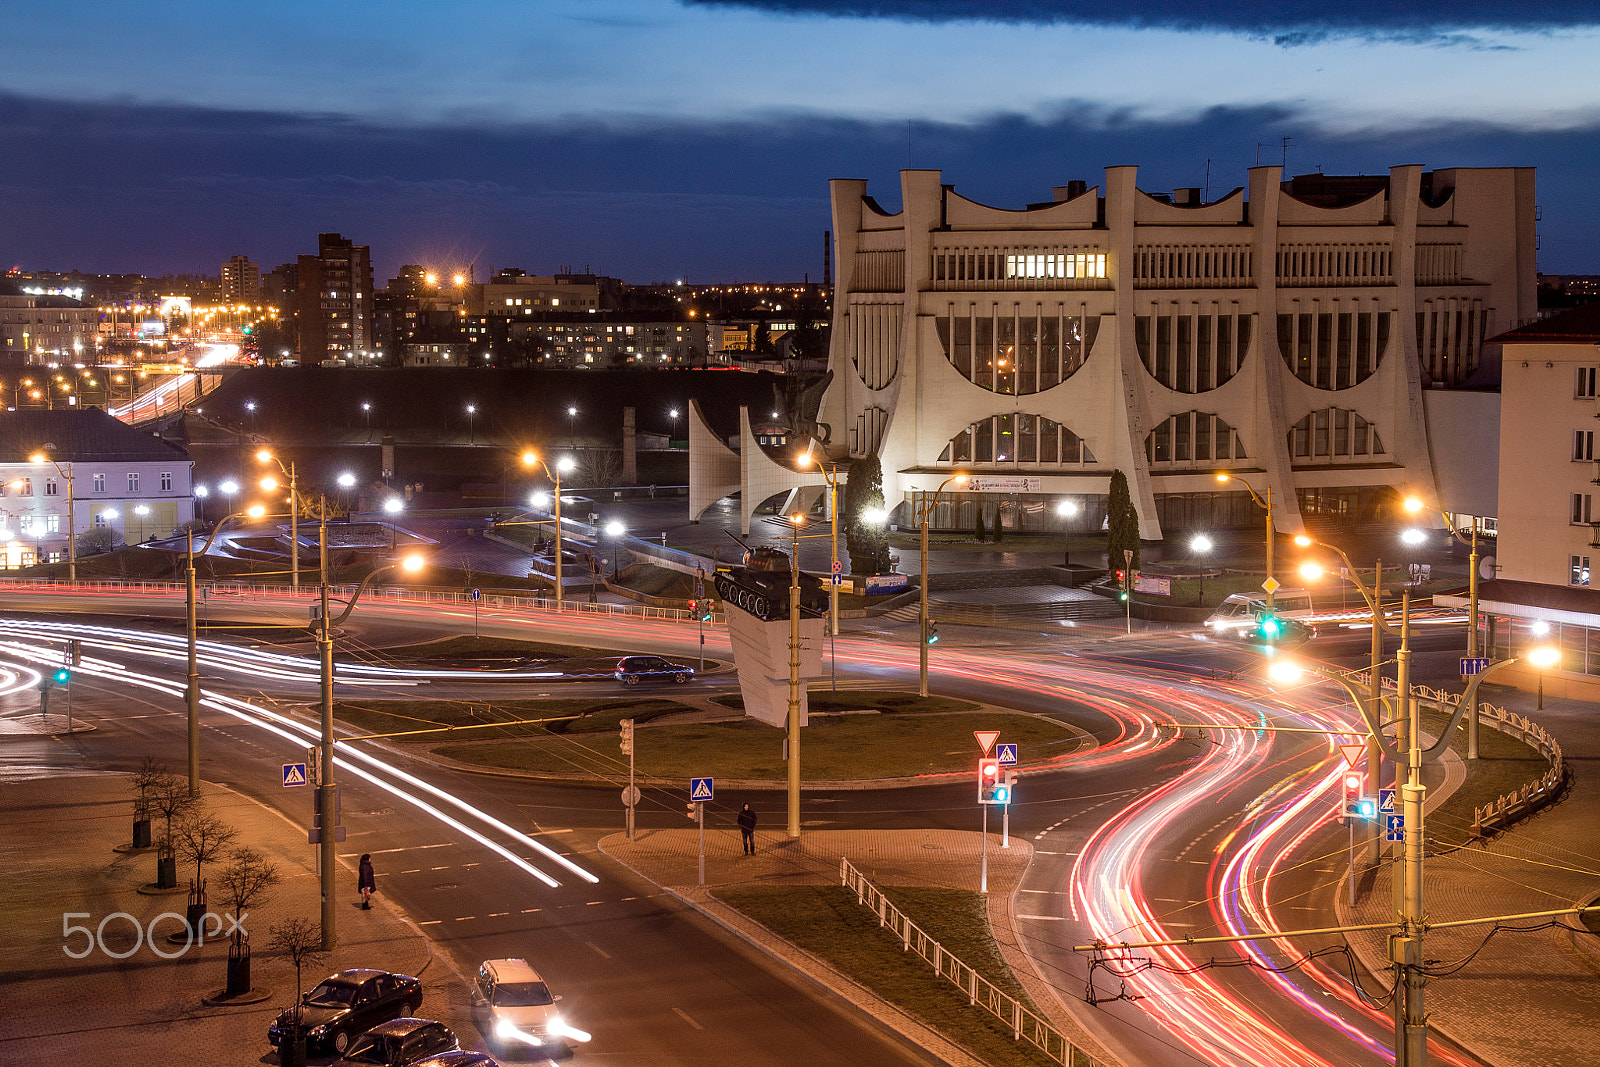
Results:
x,y
827,922
1504,765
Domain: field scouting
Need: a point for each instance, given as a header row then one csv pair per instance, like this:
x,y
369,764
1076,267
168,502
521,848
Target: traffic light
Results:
x,y
706,608
1269,627
933,632
990,786
1122,585
627,737
62,676
694,608
692,810
1357,805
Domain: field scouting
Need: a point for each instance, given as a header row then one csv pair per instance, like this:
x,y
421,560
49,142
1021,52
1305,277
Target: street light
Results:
x,y
1271,582
202,492
391,507
831,475
472,419
72,538
1200,545
1067,509
923,511
265,456
615,530
366,409
572,423
563,465
1414,505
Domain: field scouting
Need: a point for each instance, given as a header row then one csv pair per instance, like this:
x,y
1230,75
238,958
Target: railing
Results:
x,y
1500,813
262,590
980,992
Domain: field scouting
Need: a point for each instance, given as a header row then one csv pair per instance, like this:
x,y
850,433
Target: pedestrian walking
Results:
x,y
366,881
747,829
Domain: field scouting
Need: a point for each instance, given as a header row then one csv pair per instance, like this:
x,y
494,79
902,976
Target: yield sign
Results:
x,y
986,739
1353,753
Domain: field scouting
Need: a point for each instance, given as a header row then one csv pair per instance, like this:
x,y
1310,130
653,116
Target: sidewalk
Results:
x,y
1527,998
944,858
59,860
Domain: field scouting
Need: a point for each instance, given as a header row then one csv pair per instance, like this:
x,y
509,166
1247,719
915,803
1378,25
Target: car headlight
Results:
x,y
505,1028
318,1031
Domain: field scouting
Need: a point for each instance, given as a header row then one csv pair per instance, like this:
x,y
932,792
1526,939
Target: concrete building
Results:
x,y
46,324
611,339
1545,589
1287,332
124,480
333,306
241,281
514,294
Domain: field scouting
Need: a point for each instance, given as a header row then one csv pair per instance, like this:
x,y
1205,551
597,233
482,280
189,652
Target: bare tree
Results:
x,y
202,837
151,771
600,467
169,797
245,883
301,941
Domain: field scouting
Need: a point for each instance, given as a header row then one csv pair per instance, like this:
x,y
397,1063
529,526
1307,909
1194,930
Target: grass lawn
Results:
x,y
884,700
1504,765
843,748
580,715
482,648
827,922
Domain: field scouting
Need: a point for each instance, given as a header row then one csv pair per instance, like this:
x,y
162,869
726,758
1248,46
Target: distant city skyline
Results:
x,y
653,140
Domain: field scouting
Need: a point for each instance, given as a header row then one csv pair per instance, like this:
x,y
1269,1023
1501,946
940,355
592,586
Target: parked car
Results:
x,y
631,670
345,1005
459,1059
513,1006
399,1043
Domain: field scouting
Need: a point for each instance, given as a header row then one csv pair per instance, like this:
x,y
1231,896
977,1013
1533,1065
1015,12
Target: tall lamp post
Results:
x,y
192,691
1414,505
270,483
72,530
563,465
830,473
1272,582
615,530
924,510
1410,1014
1373,596
1199,546
1067,509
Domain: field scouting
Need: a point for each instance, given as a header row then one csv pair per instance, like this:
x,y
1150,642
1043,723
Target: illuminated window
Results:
x,y
1580,570
1192,438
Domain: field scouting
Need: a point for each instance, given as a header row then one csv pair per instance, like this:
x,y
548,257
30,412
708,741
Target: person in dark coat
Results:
x,y
367,881
747,829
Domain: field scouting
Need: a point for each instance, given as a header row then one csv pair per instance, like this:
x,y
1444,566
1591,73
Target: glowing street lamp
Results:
x,y
564,464
923,513
615,530
1272,582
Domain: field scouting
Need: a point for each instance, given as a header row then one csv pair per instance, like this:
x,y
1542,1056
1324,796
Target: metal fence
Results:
x,y
980,992
264,591
1508,808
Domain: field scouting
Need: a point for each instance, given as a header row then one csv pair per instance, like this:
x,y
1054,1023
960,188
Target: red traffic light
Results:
x,y
1353,781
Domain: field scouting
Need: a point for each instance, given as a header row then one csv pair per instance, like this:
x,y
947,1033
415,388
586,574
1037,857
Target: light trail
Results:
x,y
299,733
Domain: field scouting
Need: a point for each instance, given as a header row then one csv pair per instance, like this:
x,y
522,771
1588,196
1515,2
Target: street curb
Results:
x,y
824,976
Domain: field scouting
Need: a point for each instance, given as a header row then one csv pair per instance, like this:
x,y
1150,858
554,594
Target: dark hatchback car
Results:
x,y
399,1043
631,670
346,1005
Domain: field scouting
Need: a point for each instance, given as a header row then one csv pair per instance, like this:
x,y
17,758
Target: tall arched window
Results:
x,y
1016,440
1333,433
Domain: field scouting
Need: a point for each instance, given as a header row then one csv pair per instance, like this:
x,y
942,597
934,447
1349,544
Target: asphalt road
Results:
x,y
668,988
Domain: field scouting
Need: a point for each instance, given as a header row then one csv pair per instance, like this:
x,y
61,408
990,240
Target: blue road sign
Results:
x,y
294,774
1006,754
836,579
1386,802
1471,665
1394,827
702,789
477,594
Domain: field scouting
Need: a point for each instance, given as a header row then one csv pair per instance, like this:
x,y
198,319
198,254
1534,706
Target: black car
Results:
x,y
345,1005
399,1043
458,1059
631,670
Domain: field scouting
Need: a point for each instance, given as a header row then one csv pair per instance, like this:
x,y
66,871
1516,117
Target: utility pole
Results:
x,y
794,683
327,792
192,692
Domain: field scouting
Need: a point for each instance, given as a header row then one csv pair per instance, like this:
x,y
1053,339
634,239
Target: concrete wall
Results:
x,y
1464,436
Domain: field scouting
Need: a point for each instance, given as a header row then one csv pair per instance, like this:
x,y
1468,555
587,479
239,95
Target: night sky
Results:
x,y
656,140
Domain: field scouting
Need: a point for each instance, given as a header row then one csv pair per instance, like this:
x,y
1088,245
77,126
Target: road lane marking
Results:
x,y
496,914
1045,918
530,911
602,952
685,1017
414,870
431,922
464,918
408,848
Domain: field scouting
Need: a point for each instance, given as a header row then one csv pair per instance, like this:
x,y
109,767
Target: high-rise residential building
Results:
x,y
333,308
241,280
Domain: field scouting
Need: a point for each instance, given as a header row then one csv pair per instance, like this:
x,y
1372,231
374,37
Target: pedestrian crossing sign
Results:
x,y
1386,802
1007,754
701,789
294,774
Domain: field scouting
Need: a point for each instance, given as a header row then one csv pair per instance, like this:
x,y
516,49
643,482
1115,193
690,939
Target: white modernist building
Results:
x,y
1288,333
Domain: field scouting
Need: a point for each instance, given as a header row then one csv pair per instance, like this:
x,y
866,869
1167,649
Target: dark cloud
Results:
x,y
116,187
1290,22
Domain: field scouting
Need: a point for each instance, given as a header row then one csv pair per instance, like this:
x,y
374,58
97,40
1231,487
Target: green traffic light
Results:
x,y
62,676
1270,626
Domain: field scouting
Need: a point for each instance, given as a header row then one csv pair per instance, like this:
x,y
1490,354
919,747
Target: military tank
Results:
x,y
760,585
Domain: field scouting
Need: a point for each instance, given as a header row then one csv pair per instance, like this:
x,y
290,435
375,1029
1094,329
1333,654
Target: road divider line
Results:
x,y
685,1017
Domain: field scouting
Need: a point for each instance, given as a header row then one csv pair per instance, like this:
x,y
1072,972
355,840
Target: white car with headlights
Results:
x,y
513,1006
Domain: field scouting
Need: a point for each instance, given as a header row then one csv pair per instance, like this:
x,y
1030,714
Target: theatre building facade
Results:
x,y
1301,334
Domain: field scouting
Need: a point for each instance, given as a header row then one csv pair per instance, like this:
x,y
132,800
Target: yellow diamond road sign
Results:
x,y
1271,585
